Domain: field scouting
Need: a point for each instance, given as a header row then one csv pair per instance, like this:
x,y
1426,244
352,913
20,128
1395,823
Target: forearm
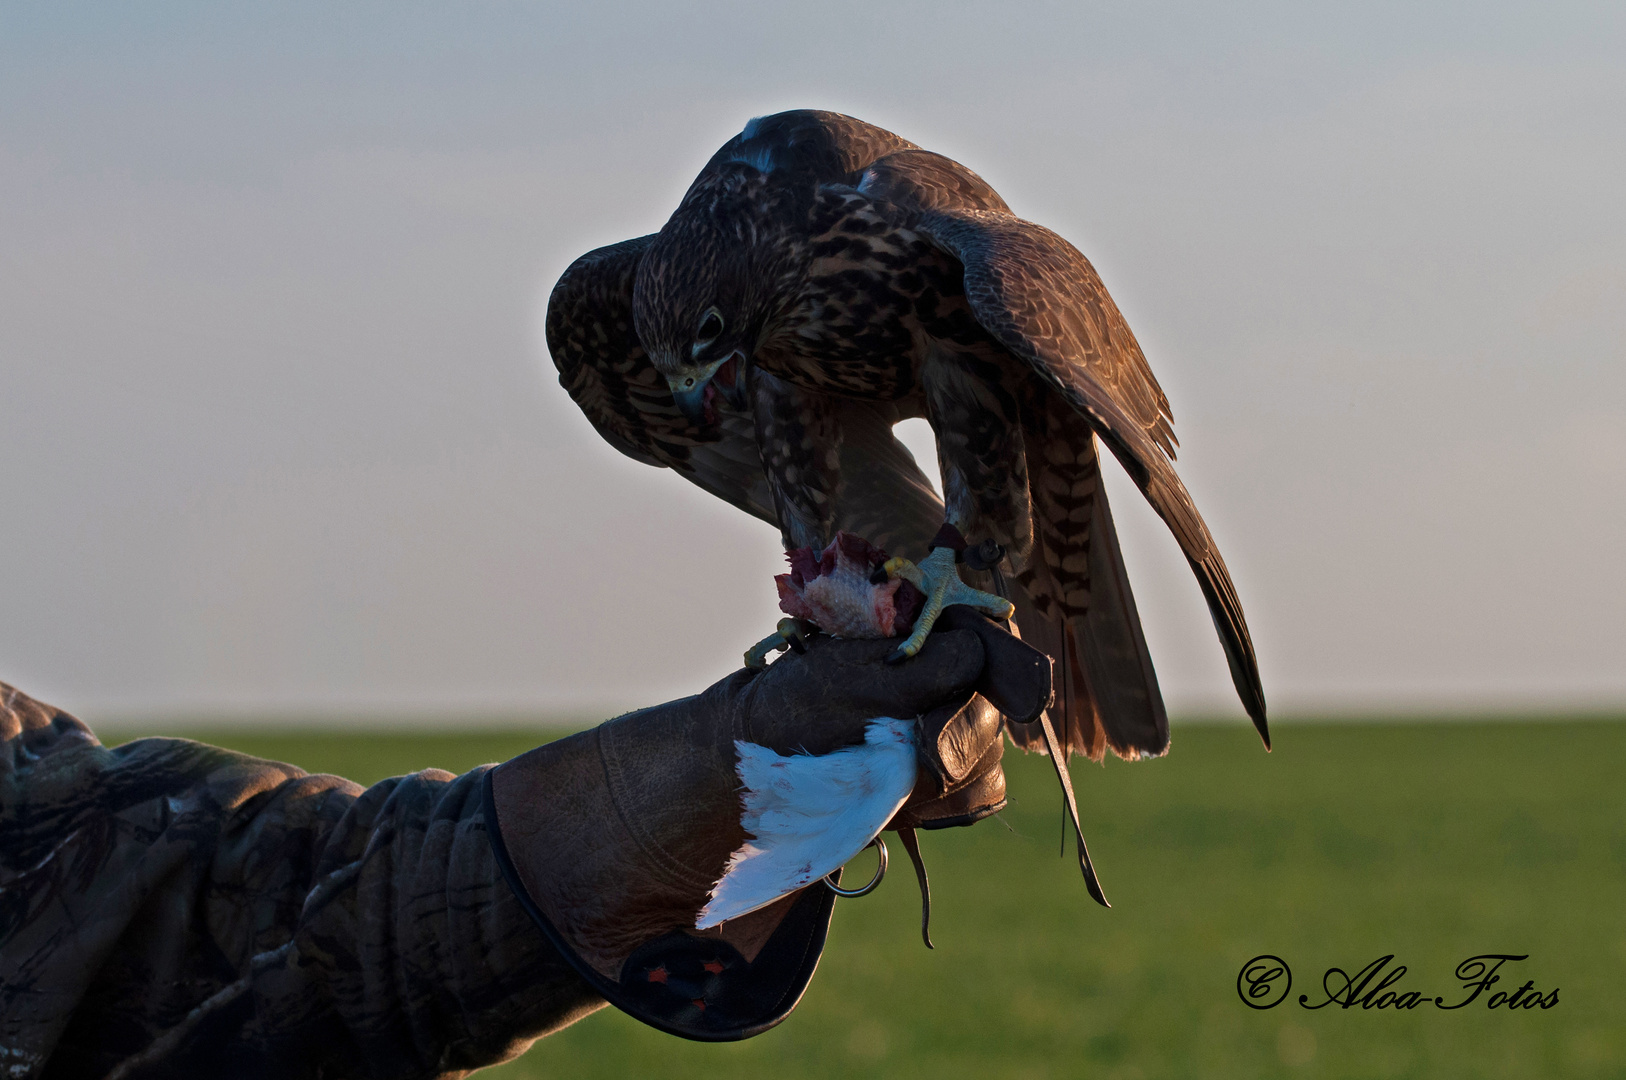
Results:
x,y
171,909
199,912
412,957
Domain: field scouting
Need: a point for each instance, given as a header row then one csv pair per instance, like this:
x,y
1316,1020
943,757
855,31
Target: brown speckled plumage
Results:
x,y
865,281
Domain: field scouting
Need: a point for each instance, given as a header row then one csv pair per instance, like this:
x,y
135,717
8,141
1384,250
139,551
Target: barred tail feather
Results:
x,y
1075,603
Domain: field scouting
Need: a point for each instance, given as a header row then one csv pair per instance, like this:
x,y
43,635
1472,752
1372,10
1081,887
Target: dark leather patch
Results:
x,y
1016,677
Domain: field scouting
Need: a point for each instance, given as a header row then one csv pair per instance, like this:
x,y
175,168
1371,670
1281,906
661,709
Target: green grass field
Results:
x,y
1433,842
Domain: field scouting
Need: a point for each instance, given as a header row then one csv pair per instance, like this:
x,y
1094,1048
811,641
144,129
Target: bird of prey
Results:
x,y
824,279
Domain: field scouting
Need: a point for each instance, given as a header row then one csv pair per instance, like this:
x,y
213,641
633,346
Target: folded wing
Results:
x,y
1041,299
880,492
607,374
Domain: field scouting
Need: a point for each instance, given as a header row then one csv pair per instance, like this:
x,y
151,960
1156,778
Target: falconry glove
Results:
x,y
678,856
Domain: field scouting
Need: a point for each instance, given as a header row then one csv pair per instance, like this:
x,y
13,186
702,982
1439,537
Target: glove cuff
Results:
x,y
717,985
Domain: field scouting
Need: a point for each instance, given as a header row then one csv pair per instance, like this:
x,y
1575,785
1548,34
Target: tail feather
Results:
x,y
1075,603
1117,662
1173,504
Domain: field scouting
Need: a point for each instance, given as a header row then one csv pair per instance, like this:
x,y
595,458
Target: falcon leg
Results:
x,y
936,576
980,449
799,435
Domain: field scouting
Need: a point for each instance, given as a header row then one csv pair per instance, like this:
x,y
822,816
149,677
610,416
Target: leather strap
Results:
x,y
1058,758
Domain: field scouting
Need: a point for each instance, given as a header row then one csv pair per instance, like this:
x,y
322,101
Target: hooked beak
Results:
x,y
725,378
695,403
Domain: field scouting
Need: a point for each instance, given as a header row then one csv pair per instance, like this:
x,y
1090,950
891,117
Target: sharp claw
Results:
x,y
789,634
947,588
935,576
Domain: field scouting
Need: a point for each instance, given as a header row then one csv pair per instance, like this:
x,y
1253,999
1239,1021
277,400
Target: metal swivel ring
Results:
x,y
880,872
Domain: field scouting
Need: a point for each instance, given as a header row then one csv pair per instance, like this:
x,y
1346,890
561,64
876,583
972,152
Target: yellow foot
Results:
x,y
936,577
791,634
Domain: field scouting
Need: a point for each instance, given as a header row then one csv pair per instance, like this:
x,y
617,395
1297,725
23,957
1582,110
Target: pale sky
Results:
x,y
280,436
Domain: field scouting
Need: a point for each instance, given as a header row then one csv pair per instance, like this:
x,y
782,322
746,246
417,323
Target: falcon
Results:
x,y
824,279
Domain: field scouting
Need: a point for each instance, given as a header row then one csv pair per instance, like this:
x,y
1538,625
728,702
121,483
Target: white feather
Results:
x,y
806,815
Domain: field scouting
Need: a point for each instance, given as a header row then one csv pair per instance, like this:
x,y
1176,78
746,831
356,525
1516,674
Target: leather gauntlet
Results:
x,y
675,855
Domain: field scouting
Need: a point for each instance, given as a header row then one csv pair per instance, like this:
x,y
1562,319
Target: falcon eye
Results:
x,y
711,325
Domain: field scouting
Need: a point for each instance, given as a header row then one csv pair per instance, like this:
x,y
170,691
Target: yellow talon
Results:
x,y
940,581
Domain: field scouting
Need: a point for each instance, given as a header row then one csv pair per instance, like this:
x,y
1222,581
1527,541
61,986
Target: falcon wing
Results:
x,y
604,368
1041,299
881,494
1074,599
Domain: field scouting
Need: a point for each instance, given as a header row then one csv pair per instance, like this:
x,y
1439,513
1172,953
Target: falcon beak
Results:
x,y
696,395
695,401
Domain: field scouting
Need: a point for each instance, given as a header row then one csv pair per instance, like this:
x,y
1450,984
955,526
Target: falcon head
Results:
x,y
707,287
710,364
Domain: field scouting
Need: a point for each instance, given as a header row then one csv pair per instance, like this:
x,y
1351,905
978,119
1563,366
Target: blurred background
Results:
x,y
281,446
281,438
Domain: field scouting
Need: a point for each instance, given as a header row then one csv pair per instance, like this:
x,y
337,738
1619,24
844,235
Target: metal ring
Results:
x,y
880,872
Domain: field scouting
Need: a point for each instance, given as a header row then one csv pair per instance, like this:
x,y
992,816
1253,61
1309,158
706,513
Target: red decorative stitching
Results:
x,y
658,975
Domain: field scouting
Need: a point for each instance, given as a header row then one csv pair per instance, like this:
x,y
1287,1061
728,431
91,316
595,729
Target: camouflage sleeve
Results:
x,y
172,909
